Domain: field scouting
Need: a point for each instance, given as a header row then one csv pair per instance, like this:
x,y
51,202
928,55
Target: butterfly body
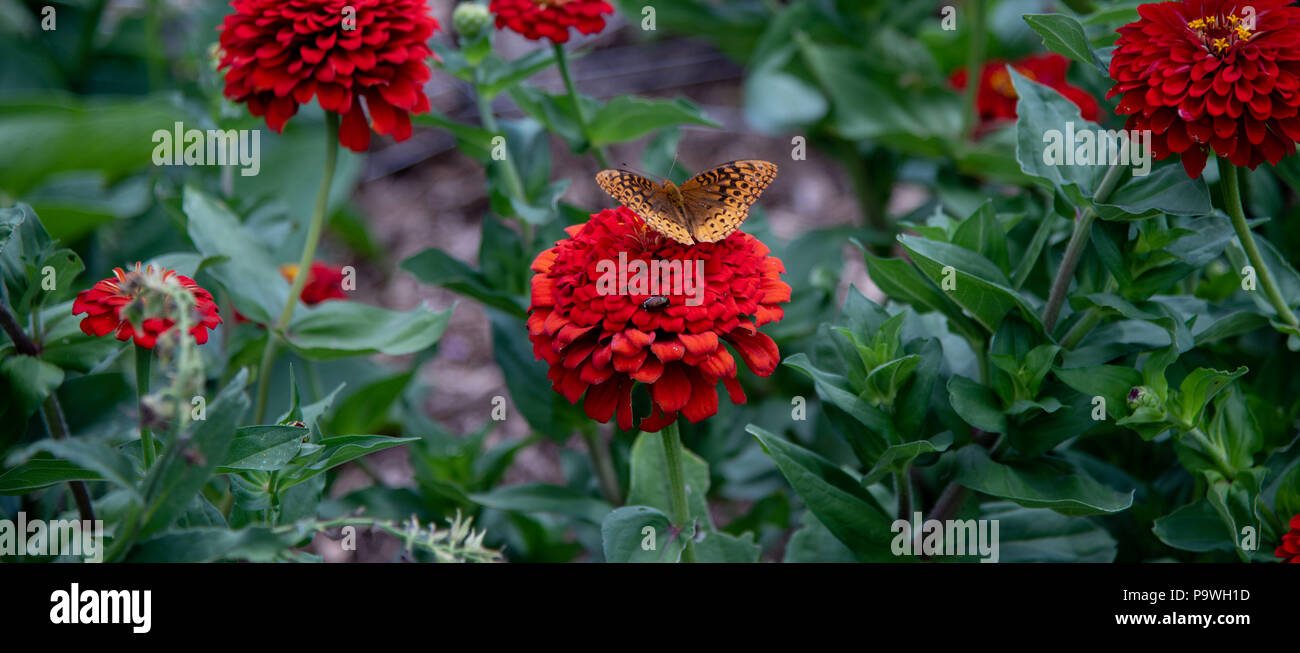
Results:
x,y
705,209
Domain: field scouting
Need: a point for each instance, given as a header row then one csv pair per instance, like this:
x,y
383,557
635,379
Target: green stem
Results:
x,y
142,358
304,264
974,66
57,426
1196,439
1232,204
1078,241
604,466
562,62
903,487
672,439
514,183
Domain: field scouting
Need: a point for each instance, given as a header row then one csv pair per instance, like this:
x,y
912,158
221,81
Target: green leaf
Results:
x,y
813,542
254,544
976,284
1198,389
40,473
436,267
835,389
1064,35
847,510
1036,535
715,546
526,378
639,534
246,270
901,281
367,409
1194,527
30,380
264,448
627,118
649,479
1111,382
338,450
543,497
1040,483
110,464
898,457
344,328
983,234
976,404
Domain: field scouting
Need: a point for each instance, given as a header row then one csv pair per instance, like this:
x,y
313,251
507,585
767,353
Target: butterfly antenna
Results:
x,y
670,168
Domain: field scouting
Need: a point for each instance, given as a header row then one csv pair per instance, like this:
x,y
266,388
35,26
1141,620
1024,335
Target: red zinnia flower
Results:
x,y
600,339
104,302
996,97
1202,76
1290,549
325,282
281,53
551,19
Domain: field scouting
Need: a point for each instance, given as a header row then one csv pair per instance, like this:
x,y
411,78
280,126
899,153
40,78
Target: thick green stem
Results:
x,y
673,456
1073,251
142,358
903,487
1196,439
1232,204
562,62
604,466
304,265
514,183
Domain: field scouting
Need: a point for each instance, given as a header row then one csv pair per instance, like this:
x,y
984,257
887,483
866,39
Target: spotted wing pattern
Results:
x,y
647,199
717,200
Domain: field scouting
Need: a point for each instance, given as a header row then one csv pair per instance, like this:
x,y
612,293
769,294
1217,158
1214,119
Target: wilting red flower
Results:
x,y
105,302
1208,74
281,53
996,97
1290,549
601,339
325,282
550,19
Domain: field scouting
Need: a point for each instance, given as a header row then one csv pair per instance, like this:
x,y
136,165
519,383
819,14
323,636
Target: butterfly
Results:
x,y
707,208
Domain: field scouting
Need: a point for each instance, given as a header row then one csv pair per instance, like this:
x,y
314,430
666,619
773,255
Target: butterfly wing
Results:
x,y
717,200
647,200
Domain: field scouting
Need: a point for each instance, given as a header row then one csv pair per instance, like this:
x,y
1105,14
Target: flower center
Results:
x,y
1219,33
1000,80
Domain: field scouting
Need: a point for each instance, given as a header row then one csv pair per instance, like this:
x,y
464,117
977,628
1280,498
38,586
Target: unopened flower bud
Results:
x,y
470,19
1142,397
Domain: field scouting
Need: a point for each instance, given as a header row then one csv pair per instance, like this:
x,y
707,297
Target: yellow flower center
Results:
x,y
1219,33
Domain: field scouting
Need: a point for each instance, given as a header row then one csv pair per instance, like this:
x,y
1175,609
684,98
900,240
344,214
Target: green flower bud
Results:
x,y
470,19
1142,397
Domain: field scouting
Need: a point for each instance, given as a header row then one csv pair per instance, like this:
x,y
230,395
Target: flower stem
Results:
x,y
672,439
304,264
514,183
974,66
1232,204
52,413
600,461
903,487
1073,251
142,358
562,62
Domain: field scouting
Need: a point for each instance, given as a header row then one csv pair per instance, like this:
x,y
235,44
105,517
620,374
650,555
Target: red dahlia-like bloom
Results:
x,y
281,53
103,305
550,19
1290,549
996,97
600,339
325,282
1210,74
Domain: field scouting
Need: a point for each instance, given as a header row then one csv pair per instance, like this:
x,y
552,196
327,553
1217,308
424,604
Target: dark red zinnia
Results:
x,y
550,19
1215,75
996,97
105,302
282,53
325,282
1290,549
600,338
